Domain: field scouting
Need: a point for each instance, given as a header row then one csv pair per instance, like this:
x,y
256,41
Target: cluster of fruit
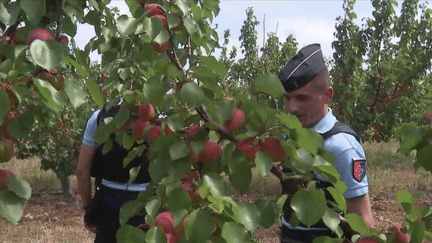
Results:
x,y
153,10
14,37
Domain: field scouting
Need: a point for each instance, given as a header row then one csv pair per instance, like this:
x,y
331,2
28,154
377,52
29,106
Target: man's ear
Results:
x,y
329,94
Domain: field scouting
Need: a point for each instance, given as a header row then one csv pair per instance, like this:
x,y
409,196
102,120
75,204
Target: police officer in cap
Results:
x,y
308,92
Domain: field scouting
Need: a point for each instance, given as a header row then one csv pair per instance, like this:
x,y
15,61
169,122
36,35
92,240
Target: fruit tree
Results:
x,y
200,141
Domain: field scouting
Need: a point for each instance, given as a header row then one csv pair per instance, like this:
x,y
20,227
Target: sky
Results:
x,y
308,21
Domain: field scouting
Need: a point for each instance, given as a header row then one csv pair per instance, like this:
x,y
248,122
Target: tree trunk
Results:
x,y
65,185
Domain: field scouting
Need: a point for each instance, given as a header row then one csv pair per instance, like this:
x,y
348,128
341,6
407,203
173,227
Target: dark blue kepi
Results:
x,y
302,68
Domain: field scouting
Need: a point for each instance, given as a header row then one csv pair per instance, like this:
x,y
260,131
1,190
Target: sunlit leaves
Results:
x,y
47,54
34,9
9,12
309,205
270,84
199,220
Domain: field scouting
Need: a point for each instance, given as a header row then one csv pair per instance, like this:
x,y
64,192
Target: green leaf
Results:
x,y
305,160
332,220
152,207
9,14
190,24
270,84
130,234
5,107
309,140
175,122
290,120
338,197
214,64
216,183
47,54
20,187
80,71
235,232
200,221
126,25
417,231
424,156
95,93
192,94
240,173
357,223
75,92
264,163
121,117
413,139
11,206
269,212
21,127
50,94
309,205
154,89
128,210
404,196
34,10
155,235
178,199
178,150
248,215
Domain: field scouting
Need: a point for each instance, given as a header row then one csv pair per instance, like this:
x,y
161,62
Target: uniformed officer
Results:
x,y
111,180
308,92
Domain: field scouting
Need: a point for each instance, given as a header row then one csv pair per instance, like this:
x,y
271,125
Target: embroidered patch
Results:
x,y
359,169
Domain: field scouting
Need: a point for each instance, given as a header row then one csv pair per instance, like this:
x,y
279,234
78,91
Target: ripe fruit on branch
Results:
x,y
163,18
171,238
16,38
180,25
193,130
192,190
400,237
146,112
180,229
54,78
63,39
165,220
210,152
4,176
160,47
7,149
39,34
235,121
428,118
250,146
153,133
153,9
167,130
366,240
138,129
273,148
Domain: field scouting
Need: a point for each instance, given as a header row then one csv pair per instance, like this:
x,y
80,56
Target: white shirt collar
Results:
x,y
327,123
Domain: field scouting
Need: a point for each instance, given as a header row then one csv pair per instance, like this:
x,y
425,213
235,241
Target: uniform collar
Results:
x,y
326,124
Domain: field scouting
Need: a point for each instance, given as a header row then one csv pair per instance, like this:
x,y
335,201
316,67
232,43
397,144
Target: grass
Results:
x,y
48,217
390,170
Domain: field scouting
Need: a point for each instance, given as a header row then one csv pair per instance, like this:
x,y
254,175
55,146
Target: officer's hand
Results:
x,y
90,228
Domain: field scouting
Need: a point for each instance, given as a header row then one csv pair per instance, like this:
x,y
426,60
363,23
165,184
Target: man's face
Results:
x,y
307,104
